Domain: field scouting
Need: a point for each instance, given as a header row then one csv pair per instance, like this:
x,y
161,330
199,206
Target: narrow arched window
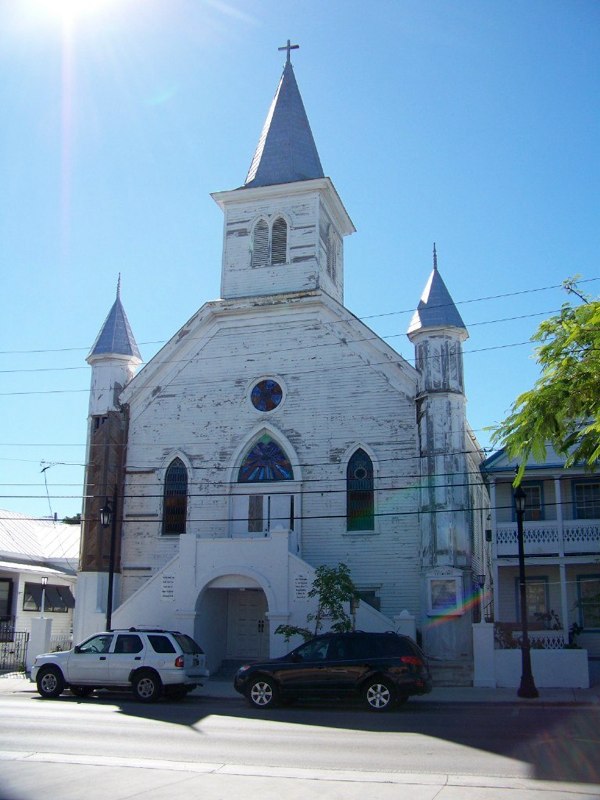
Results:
x,y
331,252
260,244
279,242
360,500
175,498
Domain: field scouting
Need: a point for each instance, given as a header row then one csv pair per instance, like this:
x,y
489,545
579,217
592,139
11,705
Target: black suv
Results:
x,y
385,668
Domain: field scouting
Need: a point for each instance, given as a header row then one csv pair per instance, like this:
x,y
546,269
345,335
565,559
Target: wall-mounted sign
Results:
x,y
167,589
301,587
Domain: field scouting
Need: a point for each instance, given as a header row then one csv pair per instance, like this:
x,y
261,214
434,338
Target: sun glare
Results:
x,y
70,10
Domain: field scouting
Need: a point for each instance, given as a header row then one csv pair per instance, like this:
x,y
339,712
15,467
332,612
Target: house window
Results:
x,y
360,500
536,593
534,502
6,587
588,595
175,498
57,599
269,243
371,597
587,500
265,461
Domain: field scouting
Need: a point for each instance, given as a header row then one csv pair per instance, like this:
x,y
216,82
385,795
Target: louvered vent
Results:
x,y
279,242
260,244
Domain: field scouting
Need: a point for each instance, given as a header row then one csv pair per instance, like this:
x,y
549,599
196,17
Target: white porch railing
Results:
x,y
550,538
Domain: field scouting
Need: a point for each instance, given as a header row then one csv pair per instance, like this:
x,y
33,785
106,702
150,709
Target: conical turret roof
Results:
x,y
286,150
436,307
116,337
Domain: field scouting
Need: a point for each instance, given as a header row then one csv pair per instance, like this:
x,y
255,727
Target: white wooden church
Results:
x,y
276,432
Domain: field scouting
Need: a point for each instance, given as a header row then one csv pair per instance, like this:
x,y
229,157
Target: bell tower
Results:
x,y
284,228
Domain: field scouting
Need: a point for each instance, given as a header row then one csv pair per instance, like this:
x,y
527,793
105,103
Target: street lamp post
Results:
x,y
108,517
43,607
527,687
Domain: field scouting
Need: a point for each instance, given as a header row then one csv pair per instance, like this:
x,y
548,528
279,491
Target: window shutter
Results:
x,y
279,242
260,244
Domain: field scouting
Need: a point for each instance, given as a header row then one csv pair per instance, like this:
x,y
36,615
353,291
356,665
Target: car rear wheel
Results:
x,y
262,693
81,691
50,682
147,686
378,694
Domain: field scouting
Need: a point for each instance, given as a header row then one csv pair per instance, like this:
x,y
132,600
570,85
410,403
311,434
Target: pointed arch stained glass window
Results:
x,y
175,498
265,461
360,500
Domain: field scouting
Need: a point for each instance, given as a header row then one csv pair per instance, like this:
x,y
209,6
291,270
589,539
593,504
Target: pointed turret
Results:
x,y
436,308
113,358
286,150
116,337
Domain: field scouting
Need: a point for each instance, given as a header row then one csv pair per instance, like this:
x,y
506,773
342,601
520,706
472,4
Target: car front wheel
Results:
x,y
262,693
50,682
378,695
147,686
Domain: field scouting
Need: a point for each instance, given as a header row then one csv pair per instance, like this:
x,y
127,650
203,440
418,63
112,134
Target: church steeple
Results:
x,y
284,227
286,150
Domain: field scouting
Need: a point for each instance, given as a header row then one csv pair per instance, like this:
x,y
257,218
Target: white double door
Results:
x,y
247,624
257,514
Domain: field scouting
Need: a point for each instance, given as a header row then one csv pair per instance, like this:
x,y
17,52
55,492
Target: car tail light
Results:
x,y
414,661
179,662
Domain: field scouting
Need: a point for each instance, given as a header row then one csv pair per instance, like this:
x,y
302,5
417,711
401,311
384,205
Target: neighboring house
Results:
x,y
562,549
31,550
276,432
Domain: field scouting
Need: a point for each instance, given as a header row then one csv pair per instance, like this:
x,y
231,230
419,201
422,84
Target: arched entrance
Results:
x,y
231,620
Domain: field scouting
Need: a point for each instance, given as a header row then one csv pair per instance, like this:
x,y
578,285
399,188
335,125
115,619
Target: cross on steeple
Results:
x,y
289,47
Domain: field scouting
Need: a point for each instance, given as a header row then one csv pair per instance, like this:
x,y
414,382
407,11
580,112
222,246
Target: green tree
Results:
x,y
563,407
334,588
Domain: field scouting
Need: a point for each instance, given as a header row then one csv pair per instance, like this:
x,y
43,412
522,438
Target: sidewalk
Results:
x,y
223,689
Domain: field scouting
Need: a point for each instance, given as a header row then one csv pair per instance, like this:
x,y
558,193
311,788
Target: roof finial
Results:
x,y
119,287
289,47
434,257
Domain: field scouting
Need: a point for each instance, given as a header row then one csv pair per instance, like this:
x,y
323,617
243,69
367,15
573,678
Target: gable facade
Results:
x,y
275,432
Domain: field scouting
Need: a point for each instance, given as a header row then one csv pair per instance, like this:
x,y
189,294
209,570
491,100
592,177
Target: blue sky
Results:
x,y
474,125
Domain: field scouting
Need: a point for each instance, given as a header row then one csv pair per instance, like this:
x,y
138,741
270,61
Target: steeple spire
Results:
x,y
116,337
286,151
436,307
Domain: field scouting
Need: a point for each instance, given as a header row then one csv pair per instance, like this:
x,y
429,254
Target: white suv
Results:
x,y
148,661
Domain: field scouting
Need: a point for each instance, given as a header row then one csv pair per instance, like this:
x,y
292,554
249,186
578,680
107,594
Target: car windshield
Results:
x,y
187,644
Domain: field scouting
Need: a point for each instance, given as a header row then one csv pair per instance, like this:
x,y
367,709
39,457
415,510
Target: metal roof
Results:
x,y
38,541
436,308
115,336
286,150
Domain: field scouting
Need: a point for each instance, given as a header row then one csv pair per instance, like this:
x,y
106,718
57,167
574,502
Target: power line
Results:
x,y
411,310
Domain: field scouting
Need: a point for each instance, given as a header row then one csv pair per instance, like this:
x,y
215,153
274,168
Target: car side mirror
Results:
x,y
77,649
296,658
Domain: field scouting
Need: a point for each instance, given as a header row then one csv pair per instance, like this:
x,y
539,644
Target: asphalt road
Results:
x,y
113,747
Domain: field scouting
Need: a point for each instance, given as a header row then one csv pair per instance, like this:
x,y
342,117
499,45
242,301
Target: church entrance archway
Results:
x,y
231,621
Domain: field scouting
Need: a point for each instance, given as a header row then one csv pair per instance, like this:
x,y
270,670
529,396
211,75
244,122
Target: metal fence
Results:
x,y
60,642
13,650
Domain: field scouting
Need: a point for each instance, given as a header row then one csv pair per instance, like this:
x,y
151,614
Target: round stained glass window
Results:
x,y
266,395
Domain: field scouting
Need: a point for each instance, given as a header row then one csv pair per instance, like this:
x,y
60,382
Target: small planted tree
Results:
x,y
333,587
